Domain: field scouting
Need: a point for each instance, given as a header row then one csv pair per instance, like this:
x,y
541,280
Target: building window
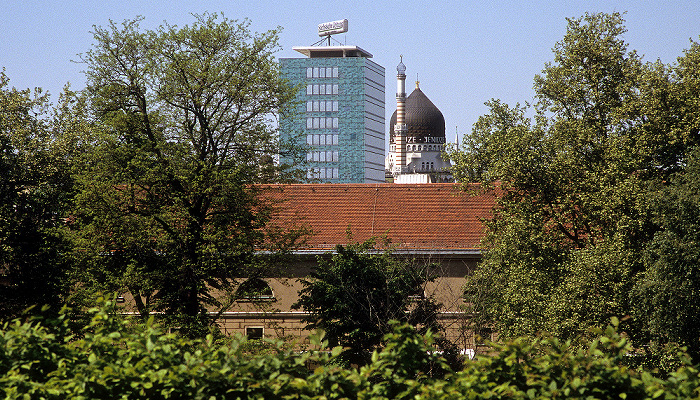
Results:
x,y
316,89
322,140
254,289
323,156
254,332
322,123
322,106
482,336
321,72
322,173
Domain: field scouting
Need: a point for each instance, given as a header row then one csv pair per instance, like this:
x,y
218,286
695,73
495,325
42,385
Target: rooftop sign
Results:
x,y
331,28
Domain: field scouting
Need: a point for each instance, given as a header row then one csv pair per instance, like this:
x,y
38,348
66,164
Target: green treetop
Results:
x,y
566,244
168,204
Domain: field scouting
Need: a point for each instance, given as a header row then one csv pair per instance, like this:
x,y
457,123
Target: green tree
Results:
x,y
354,296
168,208
35,191
566,242
667,295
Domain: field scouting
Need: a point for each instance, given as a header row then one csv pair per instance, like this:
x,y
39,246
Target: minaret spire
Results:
x,y
400,127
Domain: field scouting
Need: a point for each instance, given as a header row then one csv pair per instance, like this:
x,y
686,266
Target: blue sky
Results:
x,y
463,52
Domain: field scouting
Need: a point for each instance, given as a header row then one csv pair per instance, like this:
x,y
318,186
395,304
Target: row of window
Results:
x,y
316,89
322,105
322,140
322,123
322,173
424,166
322,156
421,147
322,72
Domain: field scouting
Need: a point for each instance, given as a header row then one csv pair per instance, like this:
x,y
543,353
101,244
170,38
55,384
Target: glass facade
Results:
x,y
340,118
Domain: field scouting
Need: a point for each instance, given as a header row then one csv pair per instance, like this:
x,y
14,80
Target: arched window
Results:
x,y
254,289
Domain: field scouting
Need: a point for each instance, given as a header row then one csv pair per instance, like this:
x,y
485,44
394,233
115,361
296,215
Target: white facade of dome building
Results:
x,y
416,138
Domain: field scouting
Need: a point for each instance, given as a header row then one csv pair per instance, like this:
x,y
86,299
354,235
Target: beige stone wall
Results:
x,y
278,325
279,320
290,328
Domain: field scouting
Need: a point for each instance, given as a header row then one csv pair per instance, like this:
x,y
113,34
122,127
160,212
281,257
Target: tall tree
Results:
x,y
667,297
565,246
168,204
34,194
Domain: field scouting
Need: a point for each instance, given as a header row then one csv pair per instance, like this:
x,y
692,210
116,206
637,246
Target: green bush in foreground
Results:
x,y
115,360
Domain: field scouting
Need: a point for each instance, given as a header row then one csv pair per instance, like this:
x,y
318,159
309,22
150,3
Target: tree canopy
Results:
x,y
167,207
35,188
575,173
666,296
354,296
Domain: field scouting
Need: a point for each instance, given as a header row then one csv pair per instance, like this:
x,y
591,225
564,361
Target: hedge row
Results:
x,y
113,359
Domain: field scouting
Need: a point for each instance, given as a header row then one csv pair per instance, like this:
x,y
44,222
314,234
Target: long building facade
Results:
x,y
432,224
341,112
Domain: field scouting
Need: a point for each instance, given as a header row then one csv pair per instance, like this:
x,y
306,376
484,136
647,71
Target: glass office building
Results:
x,y
341,113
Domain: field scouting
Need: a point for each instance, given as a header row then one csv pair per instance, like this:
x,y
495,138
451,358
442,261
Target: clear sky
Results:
x,y
463,52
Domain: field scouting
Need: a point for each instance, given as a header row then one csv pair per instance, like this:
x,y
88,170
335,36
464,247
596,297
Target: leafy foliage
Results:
x,y
355,294
167,208
35,189
567,241
117,359
667,294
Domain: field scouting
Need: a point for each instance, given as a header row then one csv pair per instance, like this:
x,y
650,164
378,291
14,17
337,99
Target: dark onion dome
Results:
x,y
423,119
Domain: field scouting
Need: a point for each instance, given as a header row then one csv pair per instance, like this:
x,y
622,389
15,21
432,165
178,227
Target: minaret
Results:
x,y
400,127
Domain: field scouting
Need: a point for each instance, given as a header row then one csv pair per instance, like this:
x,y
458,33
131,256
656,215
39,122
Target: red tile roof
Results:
x,y
420,216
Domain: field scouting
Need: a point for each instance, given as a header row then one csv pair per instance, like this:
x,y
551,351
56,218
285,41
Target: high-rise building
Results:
x,y
341,113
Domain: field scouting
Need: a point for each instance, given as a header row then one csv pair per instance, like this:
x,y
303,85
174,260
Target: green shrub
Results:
x,y
113,358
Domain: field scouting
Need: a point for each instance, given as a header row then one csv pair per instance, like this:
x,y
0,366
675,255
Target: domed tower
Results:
x,y
424,122
416,137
